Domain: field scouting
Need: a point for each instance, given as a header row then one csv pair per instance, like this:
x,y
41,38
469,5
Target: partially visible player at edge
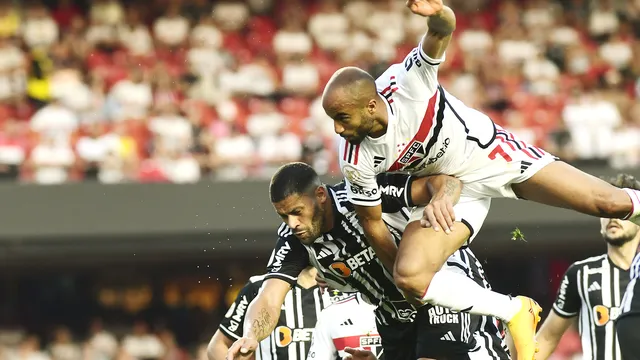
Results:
x,y
592,289
405,121
629,321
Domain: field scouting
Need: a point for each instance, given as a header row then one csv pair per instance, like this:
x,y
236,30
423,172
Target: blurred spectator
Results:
x,y
55,120
108,12
39,29
101,341
13,149
51,160
172,29
233,156
131,98
142,344
63,347
134,35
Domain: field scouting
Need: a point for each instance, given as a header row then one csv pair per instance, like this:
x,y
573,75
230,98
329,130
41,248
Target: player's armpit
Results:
x,y
441,27
550,334
264,311
218,346
378,234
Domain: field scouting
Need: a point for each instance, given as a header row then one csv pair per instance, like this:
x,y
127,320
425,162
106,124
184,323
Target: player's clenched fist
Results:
x,y
242,348
425,7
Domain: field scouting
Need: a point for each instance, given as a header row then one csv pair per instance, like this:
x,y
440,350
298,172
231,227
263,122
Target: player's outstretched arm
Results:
x,y
550,334
218,346
378,234
261,318
442,23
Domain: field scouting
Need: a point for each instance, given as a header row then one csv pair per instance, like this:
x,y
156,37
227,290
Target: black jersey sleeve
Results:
x,y
232,323
288,258
567,303
396,191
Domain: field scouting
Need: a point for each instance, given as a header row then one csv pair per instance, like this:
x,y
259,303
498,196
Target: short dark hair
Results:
x,y
291,179
625,181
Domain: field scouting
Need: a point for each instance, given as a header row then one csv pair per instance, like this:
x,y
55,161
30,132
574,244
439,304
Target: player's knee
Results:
x,y
411,280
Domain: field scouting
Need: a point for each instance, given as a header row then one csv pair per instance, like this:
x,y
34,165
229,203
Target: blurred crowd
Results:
x,y
183,90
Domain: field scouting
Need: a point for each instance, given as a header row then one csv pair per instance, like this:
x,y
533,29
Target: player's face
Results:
x,y
618,232
304,214
352,124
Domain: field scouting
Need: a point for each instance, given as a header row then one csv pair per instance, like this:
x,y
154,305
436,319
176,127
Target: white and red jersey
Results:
x,y
347,323
429,132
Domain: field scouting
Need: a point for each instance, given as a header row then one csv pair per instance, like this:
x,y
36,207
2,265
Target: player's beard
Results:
x,y
317,224
366,125
620,240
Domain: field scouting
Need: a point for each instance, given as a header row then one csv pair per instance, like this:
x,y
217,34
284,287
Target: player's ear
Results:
x,y
321,194
371,106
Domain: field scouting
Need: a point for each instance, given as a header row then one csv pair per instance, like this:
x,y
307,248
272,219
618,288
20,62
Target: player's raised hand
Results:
x,y
242,348
425,7
359,354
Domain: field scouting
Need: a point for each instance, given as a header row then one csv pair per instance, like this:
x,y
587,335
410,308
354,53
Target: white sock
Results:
x,y
634,215
457,292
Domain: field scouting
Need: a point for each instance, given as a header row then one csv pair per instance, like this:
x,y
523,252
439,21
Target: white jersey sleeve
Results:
x,y
418,76
322,347
357,167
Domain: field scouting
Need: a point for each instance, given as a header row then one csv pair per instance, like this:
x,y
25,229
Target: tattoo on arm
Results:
x,y
450,187
262,325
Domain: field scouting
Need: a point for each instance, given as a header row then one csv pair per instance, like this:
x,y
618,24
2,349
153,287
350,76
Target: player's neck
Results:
x,y
622,256
328,215
381,119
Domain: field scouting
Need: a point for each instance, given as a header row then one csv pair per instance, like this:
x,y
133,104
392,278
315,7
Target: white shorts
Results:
x,y
490,171
470,211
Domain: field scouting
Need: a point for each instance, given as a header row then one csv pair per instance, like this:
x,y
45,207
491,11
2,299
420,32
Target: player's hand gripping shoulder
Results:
x,y
440,193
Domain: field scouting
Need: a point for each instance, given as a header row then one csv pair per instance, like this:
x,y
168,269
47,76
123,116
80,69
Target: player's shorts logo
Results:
x,y
602,314
341,269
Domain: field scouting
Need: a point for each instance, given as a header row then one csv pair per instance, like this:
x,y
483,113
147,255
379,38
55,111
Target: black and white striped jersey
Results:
x,y
631,300
291,339
345,259
592,289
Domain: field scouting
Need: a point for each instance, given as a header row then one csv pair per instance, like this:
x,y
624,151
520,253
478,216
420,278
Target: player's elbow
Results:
x,y
218,346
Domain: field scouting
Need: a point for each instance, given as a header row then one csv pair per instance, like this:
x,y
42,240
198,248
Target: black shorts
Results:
x,y
628,331
438,333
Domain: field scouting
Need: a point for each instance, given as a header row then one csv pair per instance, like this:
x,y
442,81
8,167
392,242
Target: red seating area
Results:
x,y
212,71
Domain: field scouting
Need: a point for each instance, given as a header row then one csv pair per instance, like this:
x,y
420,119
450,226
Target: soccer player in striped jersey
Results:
x,y
347,323
291,338
406,121
591,291
321,229
628,323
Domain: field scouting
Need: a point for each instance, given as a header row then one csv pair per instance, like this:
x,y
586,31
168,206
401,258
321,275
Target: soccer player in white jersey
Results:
x,y
592,289
347,323
405,121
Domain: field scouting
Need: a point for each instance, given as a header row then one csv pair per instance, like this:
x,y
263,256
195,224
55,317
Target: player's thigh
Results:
x,y
562,185
398,340
425,249
628,332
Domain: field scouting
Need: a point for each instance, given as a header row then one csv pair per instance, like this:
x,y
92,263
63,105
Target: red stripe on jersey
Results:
x,y
346,150
423,131
385,90
503,139
348,341
355,160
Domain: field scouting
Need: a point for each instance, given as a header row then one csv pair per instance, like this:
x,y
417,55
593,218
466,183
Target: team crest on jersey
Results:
x,y
352,174
414,153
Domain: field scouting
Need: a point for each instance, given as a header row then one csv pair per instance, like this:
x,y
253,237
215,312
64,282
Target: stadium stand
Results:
x,y
178,91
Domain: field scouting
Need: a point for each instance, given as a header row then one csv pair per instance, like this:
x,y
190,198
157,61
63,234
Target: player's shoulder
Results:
x,y
339,196
592,261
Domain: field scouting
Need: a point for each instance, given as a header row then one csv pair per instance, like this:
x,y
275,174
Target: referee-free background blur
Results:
x,y
137,139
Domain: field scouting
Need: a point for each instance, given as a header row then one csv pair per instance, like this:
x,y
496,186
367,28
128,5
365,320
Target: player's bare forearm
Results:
x,y
218,346
378,234
441,26
442,23
435,186
550,334
264,311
